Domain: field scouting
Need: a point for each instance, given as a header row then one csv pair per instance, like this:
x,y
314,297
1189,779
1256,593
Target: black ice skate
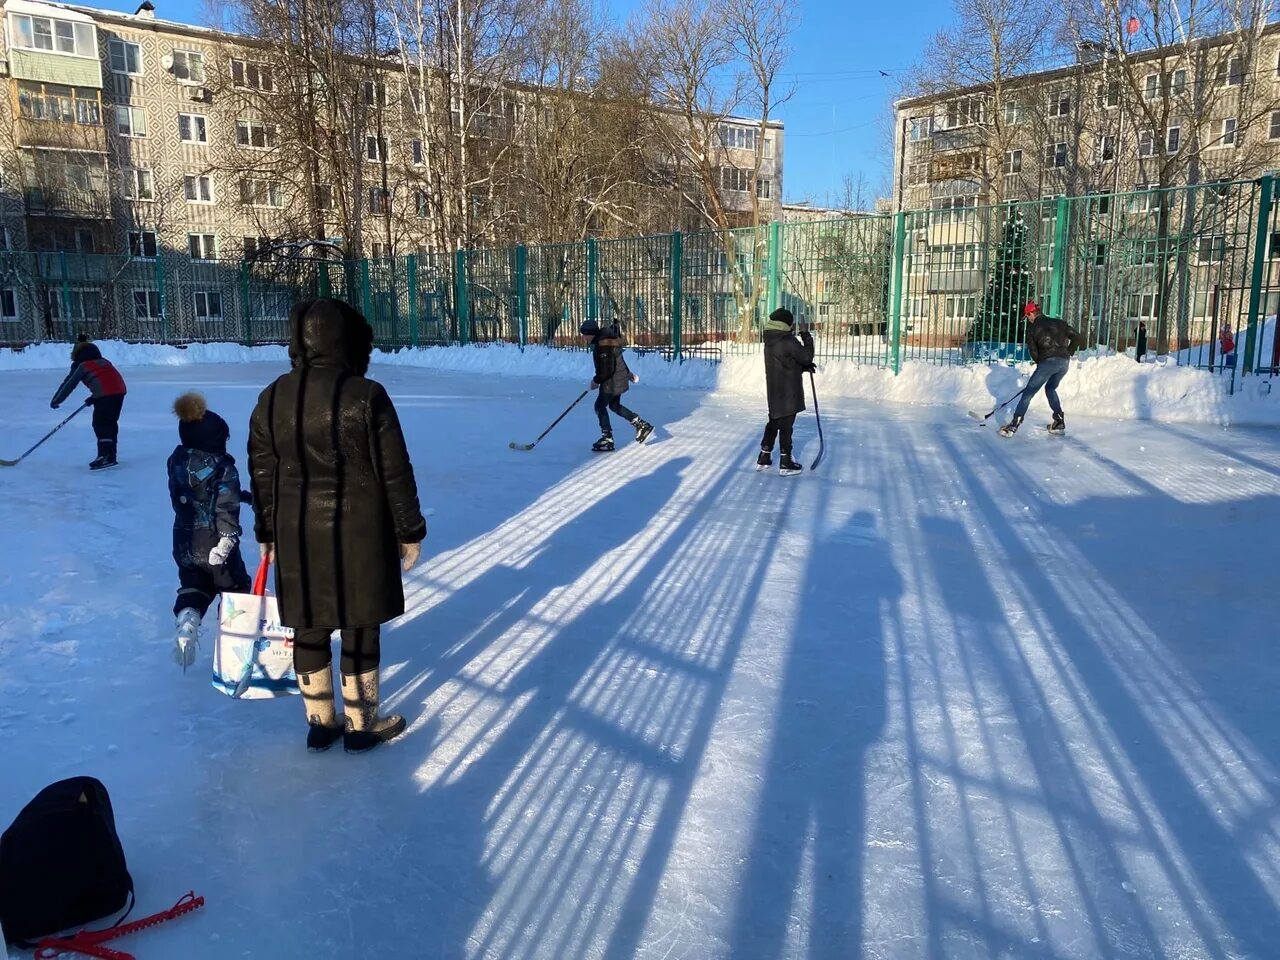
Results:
x,y
1059,425
764,461
106,456
788,467
604,444
1010,428
643,430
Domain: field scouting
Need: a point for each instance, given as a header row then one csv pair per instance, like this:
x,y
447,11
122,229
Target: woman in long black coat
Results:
x,y
337,503
785,363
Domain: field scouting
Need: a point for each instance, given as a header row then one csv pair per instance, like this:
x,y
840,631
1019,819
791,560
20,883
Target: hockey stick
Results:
x,y
983,419
14,463
817,417
529,446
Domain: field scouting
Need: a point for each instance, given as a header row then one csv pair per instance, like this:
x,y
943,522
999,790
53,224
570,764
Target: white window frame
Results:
x,y
261,192
154,309
76,295
379,202
140,181
1217,245
192,183
257,65
735,180
130,128
1173,139
1228,137
1228,77
8,304
1059,105
1274,132
196,123
116,45
197,296
1106,152
1012,163
83,47
1146,143
1058,148
270,134
376,149
187,52
206,244
141,235
764,188
417,153
1109,94
421,203
1012,113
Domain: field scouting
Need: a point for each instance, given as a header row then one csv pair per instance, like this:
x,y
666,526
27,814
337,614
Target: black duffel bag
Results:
x,y
61,863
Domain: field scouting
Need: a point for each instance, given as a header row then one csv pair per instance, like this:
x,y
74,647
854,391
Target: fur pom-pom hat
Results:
x,y
198,426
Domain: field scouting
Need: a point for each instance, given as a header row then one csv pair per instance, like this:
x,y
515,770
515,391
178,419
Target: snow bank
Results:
x,y
1107,386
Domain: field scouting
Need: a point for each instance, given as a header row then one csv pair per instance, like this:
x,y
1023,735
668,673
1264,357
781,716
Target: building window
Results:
x,y
188,66
1056,155
961,308
415,148
1231,72
124,57
375,93
146,304
1109,94
131,121
953,209
737,138
1174,84
1012,162
324,196
1146,143
1275,125
379,201
193,128
379,251
142,243
768,148
8,304
1012,113
53,36
1211,249
46,101
256,246
963,113
1099,254
202,246
1173,140
734,180
1060,104
197,188
1227,132
207,305
139,185
422,203
1106,148
260,193
375,149
764,189
919,129
248,75
85,306
255,136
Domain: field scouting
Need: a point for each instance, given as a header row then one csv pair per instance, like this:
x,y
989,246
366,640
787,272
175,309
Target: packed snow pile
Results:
x,y
1107,386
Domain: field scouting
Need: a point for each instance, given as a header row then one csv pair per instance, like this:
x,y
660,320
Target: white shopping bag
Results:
x,y
253,656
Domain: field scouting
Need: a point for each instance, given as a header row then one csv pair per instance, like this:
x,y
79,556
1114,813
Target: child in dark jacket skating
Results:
x,y
107,391
204,487
614,378
785,363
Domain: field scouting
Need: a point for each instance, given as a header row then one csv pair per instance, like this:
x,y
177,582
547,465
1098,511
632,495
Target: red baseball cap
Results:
x,y
1030,308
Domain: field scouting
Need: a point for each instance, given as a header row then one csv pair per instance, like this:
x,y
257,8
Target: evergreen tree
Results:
x,y
999,318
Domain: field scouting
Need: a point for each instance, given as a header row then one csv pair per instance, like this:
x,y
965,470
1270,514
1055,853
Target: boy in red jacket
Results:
x,y
107,390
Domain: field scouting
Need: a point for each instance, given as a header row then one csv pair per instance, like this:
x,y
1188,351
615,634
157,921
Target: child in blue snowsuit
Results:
x,y
204,487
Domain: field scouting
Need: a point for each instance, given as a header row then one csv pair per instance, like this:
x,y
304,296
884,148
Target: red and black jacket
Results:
x,y
102,379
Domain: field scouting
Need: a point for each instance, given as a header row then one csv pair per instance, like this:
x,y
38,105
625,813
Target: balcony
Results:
x,y
57,135
959,138
69,201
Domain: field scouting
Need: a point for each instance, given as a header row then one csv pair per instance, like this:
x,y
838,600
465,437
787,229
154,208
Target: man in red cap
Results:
x,y
1051,343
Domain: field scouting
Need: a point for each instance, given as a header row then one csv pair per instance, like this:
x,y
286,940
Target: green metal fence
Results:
x,y
1175,272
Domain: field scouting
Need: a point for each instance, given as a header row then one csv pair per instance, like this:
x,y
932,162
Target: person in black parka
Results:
x,y
785,362
613,378
337,507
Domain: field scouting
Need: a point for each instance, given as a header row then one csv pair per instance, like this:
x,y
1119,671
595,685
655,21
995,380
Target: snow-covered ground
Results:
x,y
949,697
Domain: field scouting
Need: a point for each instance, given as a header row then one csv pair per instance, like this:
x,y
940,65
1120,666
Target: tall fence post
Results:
x,y
1262,233
245,320
65,295
593,275
774,254
895,291
1058,276
677,297
522,295
411,271
462,307
164,301
366,301
323,287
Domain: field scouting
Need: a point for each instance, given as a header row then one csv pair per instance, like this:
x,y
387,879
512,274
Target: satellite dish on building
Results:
x,y
167,61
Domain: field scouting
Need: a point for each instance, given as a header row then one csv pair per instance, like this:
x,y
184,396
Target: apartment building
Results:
x,y
159,143
1166,128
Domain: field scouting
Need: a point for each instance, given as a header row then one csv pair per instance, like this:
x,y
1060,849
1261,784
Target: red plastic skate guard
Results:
x,y
88,943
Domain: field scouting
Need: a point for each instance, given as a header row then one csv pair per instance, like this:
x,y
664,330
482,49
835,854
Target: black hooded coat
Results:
x,y
332,484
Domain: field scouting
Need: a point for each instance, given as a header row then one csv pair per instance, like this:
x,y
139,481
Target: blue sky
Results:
x,y
835,122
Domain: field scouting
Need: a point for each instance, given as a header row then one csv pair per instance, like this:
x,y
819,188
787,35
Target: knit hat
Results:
x,y
85,349
589,328
782,315
198,426
1030,308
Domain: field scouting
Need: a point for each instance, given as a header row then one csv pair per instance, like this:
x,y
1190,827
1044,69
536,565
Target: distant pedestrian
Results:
x,y
1141,350
1227,346
107,391
613,378
785,362
1051,343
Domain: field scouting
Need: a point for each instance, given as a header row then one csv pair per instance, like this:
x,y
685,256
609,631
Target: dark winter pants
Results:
x,y
361,650
611,401
106,421
781,427
200,583
1048,374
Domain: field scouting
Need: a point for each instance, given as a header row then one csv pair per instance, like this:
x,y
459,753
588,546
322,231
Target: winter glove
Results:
x,y
268,552
246,497
806,337
219,554
409,554
90,401
811,368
